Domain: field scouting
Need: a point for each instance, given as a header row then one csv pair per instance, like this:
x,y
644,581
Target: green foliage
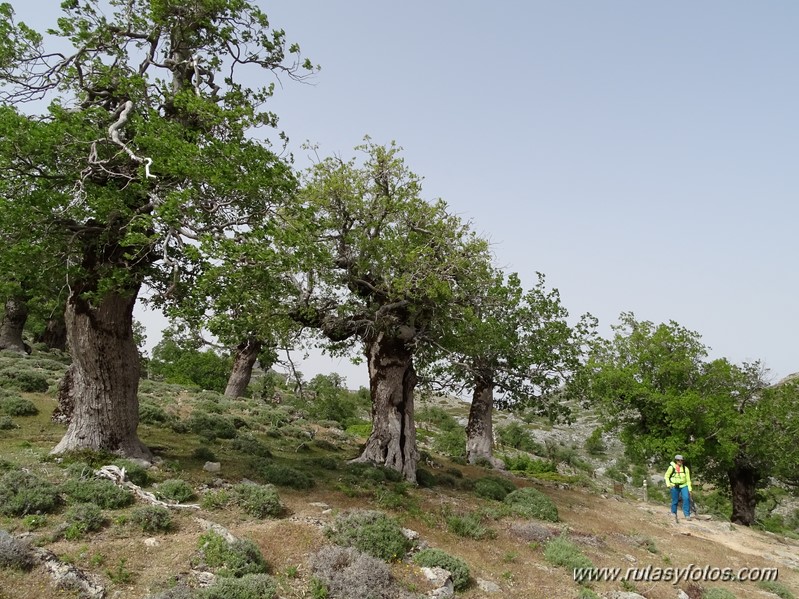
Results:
x,y
215,499
100,491
135,473
431,558
515,435
258,500
210,426
15,554
491,487
360,429
179,363
332,401
527,466
562,552
594,444
204,453
150,413
152,518
286,476
175,489
531,503
470,525
239,558
6,423
371,532
437,416
23,493
451,443
17,406
82,518
250,445
249,586
346,573
27,381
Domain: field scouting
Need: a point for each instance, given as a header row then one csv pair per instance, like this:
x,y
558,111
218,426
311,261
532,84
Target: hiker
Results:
x,y
678,479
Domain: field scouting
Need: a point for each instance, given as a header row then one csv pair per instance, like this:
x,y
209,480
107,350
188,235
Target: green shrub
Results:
x,y
239,558
82,518
134,472
175,489
492,487
371,532
6,423
152,518
431,558
469,525
100,491
215,499
249,586
211,426
451,443
562,552
87,458
23,493
717,593
258,500
437,416
15,554
27,381
285,476
360,429
150,413
18,406
524,464
517,436
425,478
250,445
204,454
346,573
531,503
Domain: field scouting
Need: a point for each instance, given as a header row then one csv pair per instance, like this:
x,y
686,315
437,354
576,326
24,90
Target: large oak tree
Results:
x,y
140,160
384,270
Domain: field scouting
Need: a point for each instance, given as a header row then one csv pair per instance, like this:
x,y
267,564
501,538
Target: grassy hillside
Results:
x,y
285,490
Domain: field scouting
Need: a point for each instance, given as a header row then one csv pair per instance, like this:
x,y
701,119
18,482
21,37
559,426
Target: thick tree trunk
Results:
x,y
55,334
392,380
104,377
246,355
743,485
12,325
480,428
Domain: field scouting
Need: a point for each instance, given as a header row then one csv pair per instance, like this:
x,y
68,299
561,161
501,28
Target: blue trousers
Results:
x,y
676,492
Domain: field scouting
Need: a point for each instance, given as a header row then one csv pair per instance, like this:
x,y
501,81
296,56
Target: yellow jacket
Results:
x,y
679,476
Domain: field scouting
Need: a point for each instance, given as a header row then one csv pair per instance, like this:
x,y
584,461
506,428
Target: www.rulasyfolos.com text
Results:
x,y
676,575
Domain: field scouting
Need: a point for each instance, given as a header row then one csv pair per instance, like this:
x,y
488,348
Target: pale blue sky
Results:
x,y
642,155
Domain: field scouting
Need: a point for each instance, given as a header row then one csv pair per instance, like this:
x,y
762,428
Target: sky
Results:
x,y
642,155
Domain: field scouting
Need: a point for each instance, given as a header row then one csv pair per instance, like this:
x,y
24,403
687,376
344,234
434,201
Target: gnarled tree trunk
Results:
x,y
743,485
480,428
12,325
55,334
246,355
104,376
392,380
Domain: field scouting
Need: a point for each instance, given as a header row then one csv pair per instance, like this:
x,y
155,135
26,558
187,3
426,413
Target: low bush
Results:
x,y
150,413
175,489
562,552
451,443
431,558
517,436
15,554
470,525
258,500
237,559
777,588
492,487
527,466
152,518
6,423
27,381
134,472
100,491
346,573
531,503
18,406
215,499
82,518
250,445
286,476
249,586
23,493
204,454
211,426
371,532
